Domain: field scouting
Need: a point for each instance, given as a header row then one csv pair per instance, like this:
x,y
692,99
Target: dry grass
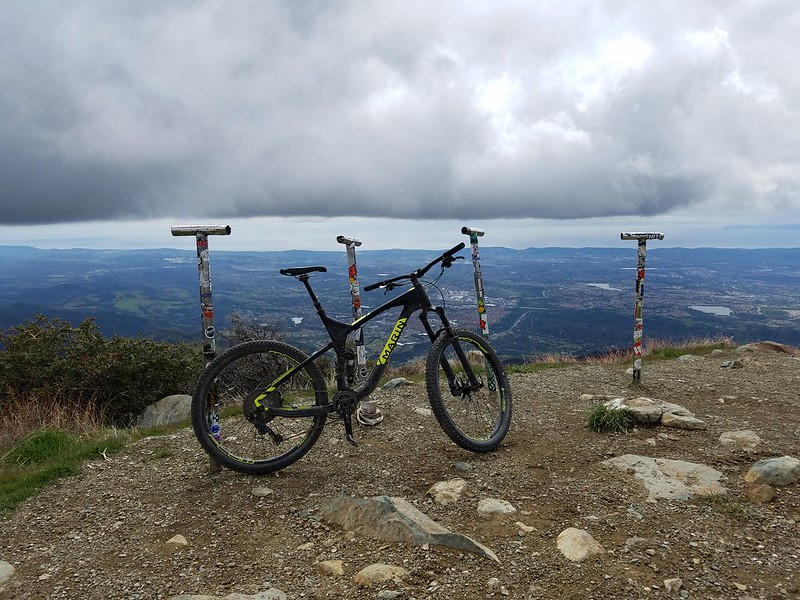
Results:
x,y
21,416
414,368
653,348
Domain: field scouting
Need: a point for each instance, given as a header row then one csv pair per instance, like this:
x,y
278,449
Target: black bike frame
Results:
x,y
412,300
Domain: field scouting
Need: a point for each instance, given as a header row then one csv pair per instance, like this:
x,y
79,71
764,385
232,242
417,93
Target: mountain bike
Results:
x,y
261,405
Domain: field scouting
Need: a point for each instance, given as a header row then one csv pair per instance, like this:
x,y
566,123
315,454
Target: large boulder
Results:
x,y
169,410
396,520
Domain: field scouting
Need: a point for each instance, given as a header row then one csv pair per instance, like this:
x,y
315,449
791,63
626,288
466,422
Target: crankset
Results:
x,y
344,403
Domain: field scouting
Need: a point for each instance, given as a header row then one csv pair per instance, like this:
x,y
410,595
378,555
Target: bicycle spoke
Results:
x,y
250,439
475,412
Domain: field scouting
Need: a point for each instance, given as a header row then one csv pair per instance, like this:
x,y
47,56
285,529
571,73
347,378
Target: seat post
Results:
x,y
305,279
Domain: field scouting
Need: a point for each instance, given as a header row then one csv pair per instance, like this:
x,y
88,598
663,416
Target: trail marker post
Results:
x,y
368,413
201,233
474,234
641,238
351,244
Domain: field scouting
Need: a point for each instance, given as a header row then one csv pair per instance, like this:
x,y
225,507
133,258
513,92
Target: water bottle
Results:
x,y
214,425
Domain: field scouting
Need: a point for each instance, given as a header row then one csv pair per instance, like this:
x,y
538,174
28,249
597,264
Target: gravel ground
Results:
x,y
103,534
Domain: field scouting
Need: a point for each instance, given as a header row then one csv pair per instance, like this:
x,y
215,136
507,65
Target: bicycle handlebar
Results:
x,y
446,257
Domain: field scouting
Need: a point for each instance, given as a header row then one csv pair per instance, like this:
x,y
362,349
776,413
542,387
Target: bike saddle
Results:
x,y
295,271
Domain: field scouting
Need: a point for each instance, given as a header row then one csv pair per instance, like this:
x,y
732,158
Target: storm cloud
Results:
x,y
413,109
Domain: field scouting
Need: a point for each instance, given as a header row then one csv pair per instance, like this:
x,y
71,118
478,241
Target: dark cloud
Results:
x,y
396,109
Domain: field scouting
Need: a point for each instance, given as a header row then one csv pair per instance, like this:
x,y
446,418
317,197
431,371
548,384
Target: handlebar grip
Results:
x,y
455,249
373,286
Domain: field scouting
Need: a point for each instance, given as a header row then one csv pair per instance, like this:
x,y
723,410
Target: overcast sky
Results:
x,y
536,120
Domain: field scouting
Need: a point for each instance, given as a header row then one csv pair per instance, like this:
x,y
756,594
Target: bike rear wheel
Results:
x,y
227,419
475,419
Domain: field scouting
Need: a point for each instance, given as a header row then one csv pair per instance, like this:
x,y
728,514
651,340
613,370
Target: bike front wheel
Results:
x,y
474,413
230,405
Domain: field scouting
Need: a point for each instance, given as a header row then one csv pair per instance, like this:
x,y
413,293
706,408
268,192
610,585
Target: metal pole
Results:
x,y
351,243
641,238
368,413
474,233
201,233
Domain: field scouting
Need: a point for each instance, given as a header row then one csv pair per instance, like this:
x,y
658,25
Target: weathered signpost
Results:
x,y
367,413
351,244
641,238
474,234
201,233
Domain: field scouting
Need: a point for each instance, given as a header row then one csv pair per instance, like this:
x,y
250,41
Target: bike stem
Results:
x,y
641,238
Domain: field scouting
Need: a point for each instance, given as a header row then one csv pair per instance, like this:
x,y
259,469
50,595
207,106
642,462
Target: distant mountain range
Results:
x,y
565,300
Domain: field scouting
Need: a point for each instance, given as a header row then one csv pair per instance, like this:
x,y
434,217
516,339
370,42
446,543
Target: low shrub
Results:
x,y
50,369
605,419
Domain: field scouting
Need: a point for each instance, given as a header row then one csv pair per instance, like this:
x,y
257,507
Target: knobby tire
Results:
x,y
229,386
475,420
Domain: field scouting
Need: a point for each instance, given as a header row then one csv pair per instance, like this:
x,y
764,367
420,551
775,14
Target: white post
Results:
x,y
641,238
201,233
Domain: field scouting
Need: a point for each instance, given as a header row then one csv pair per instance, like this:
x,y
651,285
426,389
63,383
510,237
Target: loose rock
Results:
x,y
578,544
394,519
761,494
489,507
330,568
447,492
682,422
744,438
670,479
172,409
6,571
396,383
783,470
379,573
177,541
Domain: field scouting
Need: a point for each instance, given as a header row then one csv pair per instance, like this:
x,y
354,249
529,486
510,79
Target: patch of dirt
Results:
x,y
103,534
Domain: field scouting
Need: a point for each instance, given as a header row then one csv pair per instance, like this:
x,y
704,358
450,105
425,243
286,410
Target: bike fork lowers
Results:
x,y
447,330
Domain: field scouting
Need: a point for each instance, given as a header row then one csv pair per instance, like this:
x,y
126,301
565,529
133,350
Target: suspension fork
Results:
x,y
447,329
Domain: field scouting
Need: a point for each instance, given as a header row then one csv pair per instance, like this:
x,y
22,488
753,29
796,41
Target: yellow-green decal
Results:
x,y
392,342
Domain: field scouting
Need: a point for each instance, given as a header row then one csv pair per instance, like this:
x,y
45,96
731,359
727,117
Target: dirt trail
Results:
x,y
103,534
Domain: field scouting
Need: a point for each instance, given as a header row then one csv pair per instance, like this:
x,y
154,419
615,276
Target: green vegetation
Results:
x,y
659,349
46,455
654,350
605,419
730,506
50,366
64,390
